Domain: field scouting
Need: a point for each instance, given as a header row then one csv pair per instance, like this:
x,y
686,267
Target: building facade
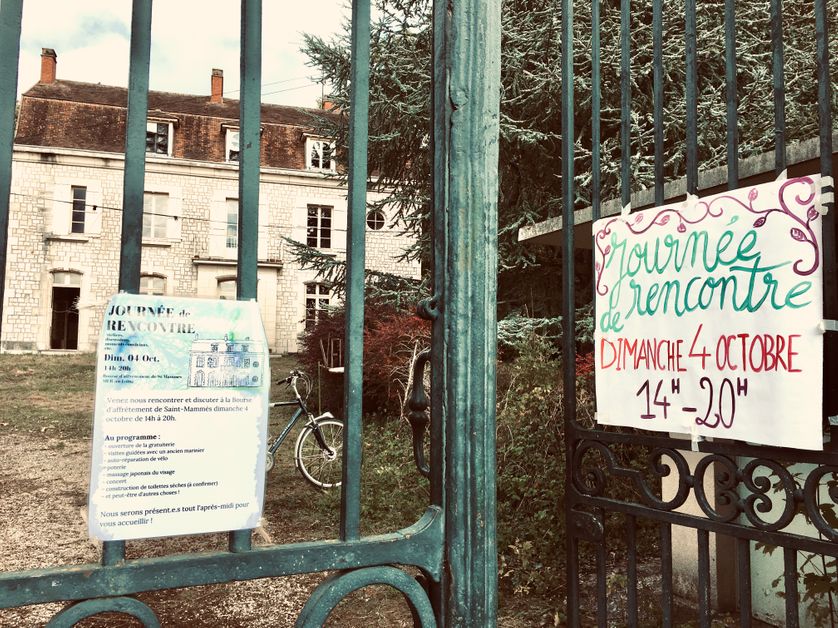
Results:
x,y
65,210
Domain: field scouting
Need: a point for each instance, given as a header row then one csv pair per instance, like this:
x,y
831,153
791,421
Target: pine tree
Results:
x,y
530,124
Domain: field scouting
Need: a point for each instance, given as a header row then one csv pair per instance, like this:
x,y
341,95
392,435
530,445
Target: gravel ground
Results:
x,y
43,484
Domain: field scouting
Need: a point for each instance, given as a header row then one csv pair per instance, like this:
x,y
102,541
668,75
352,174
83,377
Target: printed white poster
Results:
x,y
180,422
709,316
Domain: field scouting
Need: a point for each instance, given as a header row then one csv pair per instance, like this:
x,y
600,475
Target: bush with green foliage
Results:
x,y
530,470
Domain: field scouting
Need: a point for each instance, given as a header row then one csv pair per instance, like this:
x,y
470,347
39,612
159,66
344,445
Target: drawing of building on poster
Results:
x,y
224,362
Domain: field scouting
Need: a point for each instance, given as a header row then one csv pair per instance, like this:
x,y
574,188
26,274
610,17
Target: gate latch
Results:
x,y
418,415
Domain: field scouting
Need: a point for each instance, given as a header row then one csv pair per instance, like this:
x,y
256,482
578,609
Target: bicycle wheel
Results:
x,y
321,467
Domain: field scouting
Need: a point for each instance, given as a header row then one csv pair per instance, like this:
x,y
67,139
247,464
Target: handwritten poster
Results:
x,y
709,316
181,418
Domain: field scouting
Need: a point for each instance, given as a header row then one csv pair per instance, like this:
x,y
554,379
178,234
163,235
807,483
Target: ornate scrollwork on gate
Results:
x,y
761,492
593,481
71,615
331,591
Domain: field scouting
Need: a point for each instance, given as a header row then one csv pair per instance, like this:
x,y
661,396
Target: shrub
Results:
x,y
391,336
530,470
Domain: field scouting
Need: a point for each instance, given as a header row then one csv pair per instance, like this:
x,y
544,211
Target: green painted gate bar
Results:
x,y
10,19
350,520
133,181
133,184
467,304
453,543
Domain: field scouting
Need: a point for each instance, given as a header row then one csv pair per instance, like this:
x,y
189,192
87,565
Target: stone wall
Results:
x,y
188,259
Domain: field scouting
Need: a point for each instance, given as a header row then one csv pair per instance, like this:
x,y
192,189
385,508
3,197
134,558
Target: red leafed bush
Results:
x,y
391,336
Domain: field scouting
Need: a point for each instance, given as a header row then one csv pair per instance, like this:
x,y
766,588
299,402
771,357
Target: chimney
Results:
x,y
48,62
217,86
328,105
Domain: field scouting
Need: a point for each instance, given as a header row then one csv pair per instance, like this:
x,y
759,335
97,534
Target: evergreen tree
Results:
x,y
530,124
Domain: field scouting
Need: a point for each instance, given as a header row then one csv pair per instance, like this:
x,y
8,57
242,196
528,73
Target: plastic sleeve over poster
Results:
x,y
709,316
180,421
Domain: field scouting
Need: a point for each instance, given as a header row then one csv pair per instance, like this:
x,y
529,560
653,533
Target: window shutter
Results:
x,y
173,224
216,246
93,214
264,232
62,210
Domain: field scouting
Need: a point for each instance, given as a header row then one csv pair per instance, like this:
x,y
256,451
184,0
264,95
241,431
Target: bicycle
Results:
x,y
319,447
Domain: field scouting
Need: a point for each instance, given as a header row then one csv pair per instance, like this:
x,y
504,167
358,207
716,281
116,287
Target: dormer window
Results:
x,y
158,138
231,148
320,155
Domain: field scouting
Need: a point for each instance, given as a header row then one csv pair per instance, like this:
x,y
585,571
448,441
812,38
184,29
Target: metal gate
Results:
x,y
453,544
735,486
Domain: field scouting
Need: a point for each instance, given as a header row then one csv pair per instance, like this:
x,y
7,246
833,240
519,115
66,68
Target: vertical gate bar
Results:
x,y
692,97
596,106
703,578
469,313
350,495
731,94
790,581
625,101
568,300
135,130
250,110
631,569
830,304
666,574
743,567
657,95
778,84
824,91
113,552
10,18
440,125
601,584
133,183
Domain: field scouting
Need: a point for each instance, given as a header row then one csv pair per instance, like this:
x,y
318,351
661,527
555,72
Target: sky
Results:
x,y
189,39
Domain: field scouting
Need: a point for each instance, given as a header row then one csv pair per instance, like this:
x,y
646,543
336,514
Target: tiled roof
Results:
x,y
168,102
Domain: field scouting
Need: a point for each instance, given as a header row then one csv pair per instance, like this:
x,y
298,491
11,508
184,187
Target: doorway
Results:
x,y
64,327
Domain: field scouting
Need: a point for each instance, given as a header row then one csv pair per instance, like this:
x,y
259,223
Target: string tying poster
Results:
x,y
181,418
709,316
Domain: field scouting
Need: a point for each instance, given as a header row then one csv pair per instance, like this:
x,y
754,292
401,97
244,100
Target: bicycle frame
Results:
x,y
292,421
301,410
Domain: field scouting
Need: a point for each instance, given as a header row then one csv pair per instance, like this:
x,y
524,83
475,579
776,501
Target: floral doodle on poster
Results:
x,y
708,309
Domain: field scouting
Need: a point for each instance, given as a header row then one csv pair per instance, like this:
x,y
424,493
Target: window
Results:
x,y
75,210
320,155
227,289
319,226
231,240
317,298
158,138
231,149
79,207
375,219
156,216
152,284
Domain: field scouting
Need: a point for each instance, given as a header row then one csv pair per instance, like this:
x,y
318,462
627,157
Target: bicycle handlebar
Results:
x,y
292,378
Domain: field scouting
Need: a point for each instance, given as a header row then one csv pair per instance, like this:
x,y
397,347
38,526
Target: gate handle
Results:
x,y
418,416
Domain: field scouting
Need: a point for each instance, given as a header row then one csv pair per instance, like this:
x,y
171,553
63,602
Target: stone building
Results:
x,y
65,210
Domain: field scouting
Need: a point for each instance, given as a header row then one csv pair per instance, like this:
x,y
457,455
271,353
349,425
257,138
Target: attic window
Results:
x,y
231,149
158,138
320,154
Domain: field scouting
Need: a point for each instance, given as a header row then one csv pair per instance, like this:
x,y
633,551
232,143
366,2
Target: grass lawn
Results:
x,y
48,413
48,416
